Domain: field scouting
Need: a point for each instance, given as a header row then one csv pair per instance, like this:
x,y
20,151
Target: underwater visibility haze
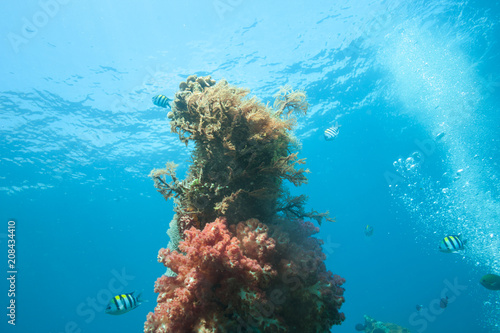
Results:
x,y
322,166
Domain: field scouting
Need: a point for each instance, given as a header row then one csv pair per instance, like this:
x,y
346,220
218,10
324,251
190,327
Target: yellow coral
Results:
x,y
243,152
288,101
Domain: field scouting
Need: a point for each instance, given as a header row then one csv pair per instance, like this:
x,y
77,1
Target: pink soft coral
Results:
x,y
217,277
241,279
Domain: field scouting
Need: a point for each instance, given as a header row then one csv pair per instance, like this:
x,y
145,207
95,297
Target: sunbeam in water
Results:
x,y
445,102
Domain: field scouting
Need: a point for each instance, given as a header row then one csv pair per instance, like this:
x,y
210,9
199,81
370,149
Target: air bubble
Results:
x,y
409,162
417,156
458,174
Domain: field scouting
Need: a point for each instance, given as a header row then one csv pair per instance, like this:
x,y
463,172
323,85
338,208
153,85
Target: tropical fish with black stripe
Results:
x,y
124,303
368,230
332,132
452,244
161,101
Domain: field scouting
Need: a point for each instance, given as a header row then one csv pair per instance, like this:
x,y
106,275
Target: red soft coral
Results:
x,y
216,273
241,279
305,281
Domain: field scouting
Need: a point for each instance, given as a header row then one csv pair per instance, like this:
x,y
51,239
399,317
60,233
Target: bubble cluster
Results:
x,y
457,202
409,166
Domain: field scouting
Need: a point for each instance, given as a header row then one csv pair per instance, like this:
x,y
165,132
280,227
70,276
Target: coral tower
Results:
x,y
241,257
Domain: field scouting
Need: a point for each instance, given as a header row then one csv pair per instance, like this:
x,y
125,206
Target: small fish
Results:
x,y
332,132
161,101
452,244
439,136
419,307
443,303
491,281
368,230
123,303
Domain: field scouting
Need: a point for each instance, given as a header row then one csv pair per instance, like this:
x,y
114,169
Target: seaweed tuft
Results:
x,y
243,152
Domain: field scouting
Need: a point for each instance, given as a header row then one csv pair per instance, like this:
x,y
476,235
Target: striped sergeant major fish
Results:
x,y
161,101
452,244
332,132
368,230
124,303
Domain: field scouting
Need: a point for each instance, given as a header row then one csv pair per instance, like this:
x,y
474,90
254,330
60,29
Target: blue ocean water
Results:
x,y
414,86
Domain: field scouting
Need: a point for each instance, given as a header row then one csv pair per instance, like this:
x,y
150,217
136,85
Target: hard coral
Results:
x,y
375,326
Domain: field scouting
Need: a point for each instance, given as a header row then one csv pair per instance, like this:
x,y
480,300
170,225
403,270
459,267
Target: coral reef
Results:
x,y
240,256
375,326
